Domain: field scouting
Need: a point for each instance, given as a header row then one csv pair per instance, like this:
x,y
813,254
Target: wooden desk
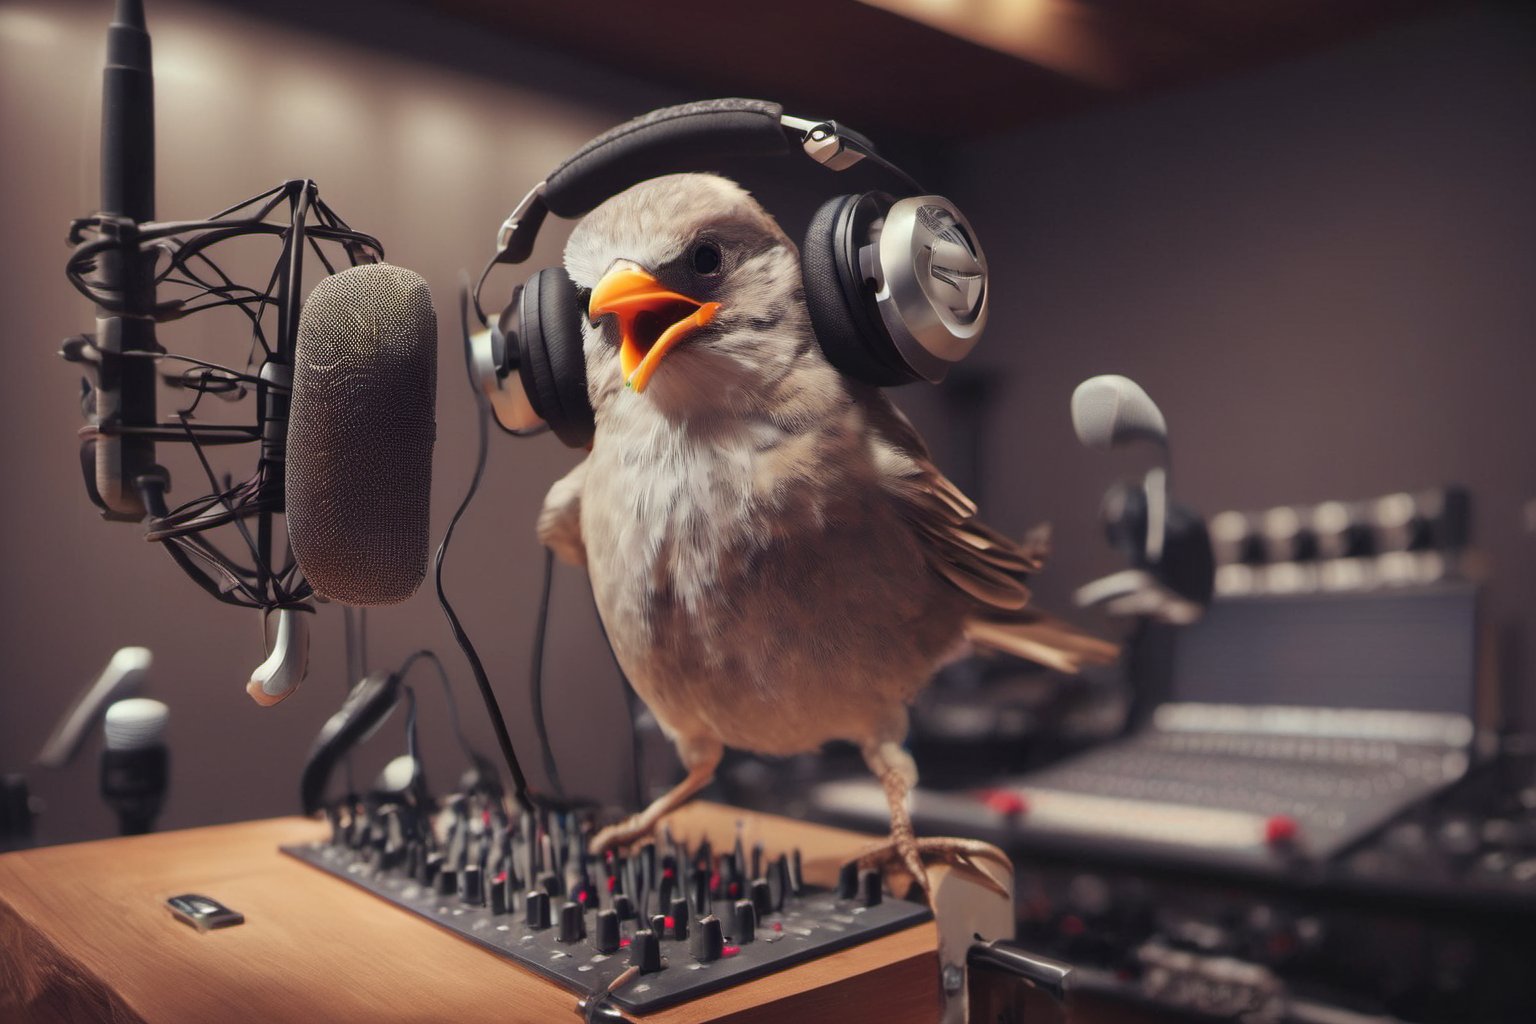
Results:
x,y
85,935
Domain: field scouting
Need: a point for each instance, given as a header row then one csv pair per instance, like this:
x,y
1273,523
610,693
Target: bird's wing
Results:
x,y
559,526
972,556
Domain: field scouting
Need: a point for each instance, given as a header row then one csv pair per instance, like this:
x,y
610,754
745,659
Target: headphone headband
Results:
x,y
676,139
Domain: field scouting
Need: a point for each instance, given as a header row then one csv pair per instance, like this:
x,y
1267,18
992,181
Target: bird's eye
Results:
x,y
705,258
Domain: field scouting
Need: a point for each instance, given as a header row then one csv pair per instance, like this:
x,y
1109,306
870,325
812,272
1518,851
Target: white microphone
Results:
x,y
135,766
1111,410
122,677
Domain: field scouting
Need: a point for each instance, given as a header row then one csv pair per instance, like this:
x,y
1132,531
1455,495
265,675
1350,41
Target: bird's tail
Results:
x,y
1035,636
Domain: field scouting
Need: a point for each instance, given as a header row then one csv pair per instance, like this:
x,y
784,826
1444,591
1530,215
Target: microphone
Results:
x,y
123,409
1111,410
122,677
362,423
135,764
1173,570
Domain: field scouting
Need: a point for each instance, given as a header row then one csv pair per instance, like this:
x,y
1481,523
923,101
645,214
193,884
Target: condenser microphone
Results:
x,y
361,428
135,764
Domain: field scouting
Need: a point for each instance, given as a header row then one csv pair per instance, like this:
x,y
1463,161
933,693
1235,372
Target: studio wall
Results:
x,y
1322,271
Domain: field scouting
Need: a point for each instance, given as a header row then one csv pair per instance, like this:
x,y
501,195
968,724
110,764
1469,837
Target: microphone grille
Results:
x,y
361,427
136,723
1110,409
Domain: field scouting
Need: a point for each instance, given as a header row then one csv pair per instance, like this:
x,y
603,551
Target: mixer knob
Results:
x,y
447,881
645,952
624,907
472,887
745,924
679,917
869,888
573,922
659,926
762,899
707,941
499,903
605,935
550,883
538,909
848,881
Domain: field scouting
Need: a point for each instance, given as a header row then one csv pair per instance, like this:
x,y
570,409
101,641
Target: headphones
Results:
x,y
895,282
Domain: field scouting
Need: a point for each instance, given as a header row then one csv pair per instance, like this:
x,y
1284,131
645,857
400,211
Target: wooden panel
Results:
x,y
84,929
885,73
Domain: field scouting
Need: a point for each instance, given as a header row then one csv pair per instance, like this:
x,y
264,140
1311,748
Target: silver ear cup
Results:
x,y
491,372
930,280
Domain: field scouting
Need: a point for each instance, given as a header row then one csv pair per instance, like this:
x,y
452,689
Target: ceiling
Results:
x,y
1018,60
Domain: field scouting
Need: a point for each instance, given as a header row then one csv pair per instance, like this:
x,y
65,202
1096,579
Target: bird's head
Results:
x,y
695,300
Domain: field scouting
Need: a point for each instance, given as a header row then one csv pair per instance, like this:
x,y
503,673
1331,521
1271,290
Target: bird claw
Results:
x,y
961,854
619,835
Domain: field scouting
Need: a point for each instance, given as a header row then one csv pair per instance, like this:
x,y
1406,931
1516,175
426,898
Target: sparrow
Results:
x,y
775,558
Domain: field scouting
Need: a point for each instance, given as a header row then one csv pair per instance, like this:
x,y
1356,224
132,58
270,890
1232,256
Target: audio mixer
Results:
x,y
692,919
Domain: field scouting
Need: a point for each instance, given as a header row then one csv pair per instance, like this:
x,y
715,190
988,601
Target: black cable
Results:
x,y
520,791
425,654
536,677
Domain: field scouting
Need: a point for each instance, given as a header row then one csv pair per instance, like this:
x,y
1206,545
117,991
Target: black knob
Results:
x,y
447,882
573,922
538,909
796,878
605,935
679,917
499,904
778,882
645,952
659,926
848,881
550,883
869,888
762,899
431,864
624,907
757,860
744,927
707,942
700,893
667,890
472,887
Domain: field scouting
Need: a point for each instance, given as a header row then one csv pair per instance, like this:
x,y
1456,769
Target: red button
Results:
x,y
1280,828
1005,802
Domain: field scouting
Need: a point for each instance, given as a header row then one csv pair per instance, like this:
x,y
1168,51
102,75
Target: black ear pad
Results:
x,y
840,301
550,360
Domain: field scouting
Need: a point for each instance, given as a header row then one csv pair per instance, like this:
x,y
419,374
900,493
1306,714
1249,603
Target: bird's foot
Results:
x,y
622,834
961,854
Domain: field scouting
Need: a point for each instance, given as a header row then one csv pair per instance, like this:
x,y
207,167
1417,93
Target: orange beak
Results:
x,y
651,319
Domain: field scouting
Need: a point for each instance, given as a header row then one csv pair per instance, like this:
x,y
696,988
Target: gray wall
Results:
x,y
1322,271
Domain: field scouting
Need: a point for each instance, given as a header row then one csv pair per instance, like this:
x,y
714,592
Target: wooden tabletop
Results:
x,y
85,935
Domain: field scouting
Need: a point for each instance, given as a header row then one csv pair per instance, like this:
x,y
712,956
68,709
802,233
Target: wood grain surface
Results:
x,y
85,935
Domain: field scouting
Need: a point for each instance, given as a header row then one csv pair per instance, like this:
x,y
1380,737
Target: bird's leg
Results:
x,y
701,757
897,773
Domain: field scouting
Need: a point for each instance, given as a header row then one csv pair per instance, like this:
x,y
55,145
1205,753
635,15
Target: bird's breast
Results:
x,y
759,582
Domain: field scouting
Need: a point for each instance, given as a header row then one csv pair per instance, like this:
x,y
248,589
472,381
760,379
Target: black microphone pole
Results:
x,y
126,398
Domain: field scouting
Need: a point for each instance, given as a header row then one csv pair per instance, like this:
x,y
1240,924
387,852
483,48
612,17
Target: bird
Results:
x,y
775,558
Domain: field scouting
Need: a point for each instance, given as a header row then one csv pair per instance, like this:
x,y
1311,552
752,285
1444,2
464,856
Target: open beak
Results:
x,y
651,319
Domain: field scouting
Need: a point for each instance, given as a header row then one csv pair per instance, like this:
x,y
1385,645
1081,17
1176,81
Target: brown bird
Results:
x,y
775,557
